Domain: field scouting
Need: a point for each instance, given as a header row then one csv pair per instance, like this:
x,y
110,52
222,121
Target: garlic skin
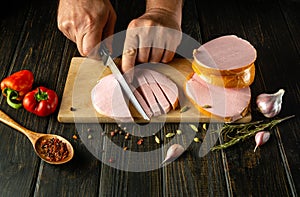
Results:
x,y
261,138
173,153
270,104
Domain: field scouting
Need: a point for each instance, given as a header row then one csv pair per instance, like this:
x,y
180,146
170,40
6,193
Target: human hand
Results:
x,y
153,37
86,22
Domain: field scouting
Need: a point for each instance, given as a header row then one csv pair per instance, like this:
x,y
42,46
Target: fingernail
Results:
x,y
130,52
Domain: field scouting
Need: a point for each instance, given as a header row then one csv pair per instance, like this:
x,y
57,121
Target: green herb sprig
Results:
x,y
234,133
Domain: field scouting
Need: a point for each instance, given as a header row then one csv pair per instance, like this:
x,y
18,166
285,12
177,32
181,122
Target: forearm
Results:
x,y
172,7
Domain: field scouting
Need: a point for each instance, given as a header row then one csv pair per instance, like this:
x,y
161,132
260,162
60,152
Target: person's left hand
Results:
x,y
153,37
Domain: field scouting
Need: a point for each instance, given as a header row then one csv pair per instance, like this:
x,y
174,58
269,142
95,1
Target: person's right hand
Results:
x,y
86,22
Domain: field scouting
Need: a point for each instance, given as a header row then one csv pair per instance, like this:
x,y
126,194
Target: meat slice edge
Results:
x,y
146,92
168,87
230,104
157,91
141,100
108,99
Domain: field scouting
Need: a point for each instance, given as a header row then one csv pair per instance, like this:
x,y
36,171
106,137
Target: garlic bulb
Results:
x,y
270,104
261,138
173,153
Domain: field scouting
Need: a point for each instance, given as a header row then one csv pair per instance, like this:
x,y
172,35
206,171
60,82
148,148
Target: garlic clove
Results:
x,y
173,153
270,104
261,138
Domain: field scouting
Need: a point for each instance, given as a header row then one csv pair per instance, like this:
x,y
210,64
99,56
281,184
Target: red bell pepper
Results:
x,y
41,101
15,86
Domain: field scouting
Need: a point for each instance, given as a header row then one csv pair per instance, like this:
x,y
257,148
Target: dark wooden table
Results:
x,y
30,40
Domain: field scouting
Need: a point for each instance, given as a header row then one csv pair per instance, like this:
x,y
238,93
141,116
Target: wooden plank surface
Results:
x,y
289,134
30,39
257,27
19,165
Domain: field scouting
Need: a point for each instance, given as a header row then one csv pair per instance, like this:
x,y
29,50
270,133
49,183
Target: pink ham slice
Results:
x,y
155,98
225,53
108,99
142,101
147,93
145,77
167,86
230,104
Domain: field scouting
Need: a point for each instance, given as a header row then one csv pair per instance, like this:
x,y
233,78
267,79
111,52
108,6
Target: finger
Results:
x,y
129,50
89,41
143,54
128,59
156,55
109,31
168,56
66,29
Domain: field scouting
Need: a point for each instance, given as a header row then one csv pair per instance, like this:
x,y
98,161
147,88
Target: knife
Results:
x,y
108,61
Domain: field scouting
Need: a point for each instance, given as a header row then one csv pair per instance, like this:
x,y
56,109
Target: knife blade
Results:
x,y
108,61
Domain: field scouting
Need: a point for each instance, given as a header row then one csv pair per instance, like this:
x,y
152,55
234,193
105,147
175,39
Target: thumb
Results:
x,y
89,41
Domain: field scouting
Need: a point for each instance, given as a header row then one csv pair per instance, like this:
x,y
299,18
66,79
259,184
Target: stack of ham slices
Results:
x,y
156,93
223,71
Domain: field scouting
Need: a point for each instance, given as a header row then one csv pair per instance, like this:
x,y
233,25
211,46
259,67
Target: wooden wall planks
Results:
x,y
30,39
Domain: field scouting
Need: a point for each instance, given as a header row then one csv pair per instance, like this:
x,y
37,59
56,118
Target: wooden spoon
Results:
x,y
37,138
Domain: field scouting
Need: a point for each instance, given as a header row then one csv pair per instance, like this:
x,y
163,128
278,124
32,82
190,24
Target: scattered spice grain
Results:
x,y
194,127
75,137
184,109
206,106
140,141
127,136
157,140
204,126
179,132
170,135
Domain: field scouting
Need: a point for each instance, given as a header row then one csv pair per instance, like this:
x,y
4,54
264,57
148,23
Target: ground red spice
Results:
x,y
54,149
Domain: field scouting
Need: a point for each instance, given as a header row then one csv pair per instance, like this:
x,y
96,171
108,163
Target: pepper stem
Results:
x,y
40,95
11,96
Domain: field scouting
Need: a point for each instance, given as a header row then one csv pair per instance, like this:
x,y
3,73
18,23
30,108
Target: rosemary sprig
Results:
x,y
244,131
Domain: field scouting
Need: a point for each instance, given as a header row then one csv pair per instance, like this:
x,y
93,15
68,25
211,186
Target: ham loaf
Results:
x,y
226,61
226,104
156,93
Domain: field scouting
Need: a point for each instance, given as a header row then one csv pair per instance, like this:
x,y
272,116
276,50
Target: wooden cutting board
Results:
x,y
83,75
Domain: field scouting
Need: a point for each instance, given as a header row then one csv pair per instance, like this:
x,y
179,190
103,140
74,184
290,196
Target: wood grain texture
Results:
x,y
257,27
280,51
199,170
291,141
131,172
30,39
19,164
